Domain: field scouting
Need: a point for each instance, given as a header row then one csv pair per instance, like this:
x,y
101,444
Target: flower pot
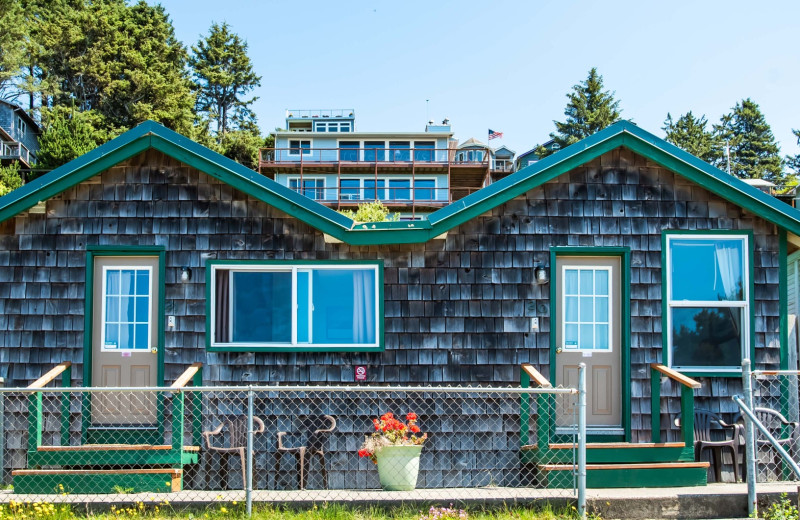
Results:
x,y
398,467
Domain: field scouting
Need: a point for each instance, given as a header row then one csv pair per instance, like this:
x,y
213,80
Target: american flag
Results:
x,y
494,135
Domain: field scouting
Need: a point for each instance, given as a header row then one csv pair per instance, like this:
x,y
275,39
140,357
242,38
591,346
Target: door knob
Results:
x,y
558,350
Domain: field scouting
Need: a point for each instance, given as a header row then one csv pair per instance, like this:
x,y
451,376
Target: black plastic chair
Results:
x,y
705,422
314,431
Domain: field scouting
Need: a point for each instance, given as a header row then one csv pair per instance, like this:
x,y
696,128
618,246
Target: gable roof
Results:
x,y
623,134
21,112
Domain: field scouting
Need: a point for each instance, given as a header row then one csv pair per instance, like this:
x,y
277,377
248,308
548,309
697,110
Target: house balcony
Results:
x,y
377,162
14,151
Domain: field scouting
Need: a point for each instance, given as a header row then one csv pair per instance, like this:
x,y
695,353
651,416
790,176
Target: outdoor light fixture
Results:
x,y
186,274
540,274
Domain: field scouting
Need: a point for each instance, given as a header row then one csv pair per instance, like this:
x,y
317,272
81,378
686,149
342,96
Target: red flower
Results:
x,y
414,428
387,416
411,417
363,453
377,424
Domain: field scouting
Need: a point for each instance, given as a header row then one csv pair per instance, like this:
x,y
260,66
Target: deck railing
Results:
x,y
354,156
688,386
14,150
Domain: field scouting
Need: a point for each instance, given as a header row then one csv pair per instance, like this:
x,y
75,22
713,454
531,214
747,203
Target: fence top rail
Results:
x,y
677,376
305,388
757,373
51,375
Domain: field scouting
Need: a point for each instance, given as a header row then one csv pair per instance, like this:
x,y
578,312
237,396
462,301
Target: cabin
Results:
x,y
623,252
19,135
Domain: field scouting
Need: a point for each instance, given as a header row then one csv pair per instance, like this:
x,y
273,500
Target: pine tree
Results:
x,y
589,110
754,154
13,33
690,134
223,74
793,161
67,136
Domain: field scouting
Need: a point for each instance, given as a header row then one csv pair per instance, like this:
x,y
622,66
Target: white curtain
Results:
x,y
363,306
729,262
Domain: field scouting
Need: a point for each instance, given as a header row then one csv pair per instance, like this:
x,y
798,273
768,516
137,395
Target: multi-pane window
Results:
x,y
311,188
707,307
300,146
586,303
126,308
296,305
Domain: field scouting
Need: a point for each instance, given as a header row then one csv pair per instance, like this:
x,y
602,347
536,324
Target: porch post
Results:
x,y
249,457
750,442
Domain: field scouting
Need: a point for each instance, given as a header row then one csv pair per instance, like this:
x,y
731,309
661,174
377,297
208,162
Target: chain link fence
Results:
x,y
775,405
287,444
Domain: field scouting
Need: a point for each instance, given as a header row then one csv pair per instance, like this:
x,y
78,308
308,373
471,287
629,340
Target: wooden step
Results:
x,y
612,452
116,447
97,455
83,481
663,474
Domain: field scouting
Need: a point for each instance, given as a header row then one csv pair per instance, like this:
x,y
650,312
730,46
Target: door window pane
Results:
x,y
586,321
424,189
126,316
399,189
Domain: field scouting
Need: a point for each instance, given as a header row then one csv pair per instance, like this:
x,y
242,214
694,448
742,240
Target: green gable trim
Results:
x,y
623,134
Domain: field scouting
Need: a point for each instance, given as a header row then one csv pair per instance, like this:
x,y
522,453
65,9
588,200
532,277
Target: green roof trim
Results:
x,y
622,134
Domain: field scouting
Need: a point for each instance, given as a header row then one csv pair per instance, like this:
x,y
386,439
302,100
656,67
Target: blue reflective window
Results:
x,y
399,151
399,189
423,151
707,269
707,336
586,321
343,306
425,189
348,150
374,151
261,309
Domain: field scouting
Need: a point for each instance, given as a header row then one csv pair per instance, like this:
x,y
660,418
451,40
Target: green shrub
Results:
x,y
781,510
10,178
371,212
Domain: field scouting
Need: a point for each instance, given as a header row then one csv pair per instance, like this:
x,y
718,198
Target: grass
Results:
x,y
234,510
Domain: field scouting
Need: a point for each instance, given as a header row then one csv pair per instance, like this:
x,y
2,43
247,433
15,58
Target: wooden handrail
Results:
x,y
51,375
187,376
536,376
677,376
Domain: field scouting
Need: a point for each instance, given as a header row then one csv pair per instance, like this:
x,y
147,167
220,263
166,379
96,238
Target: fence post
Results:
x,y
582,440
249,458
750,441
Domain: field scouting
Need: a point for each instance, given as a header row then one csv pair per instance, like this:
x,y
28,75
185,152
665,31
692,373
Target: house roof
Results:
x,y
506,148
622,134
472,142
21,111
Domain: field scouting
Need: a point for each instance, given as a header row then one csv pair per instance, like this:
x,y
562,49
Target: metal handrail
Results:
x,y
365,155
763,429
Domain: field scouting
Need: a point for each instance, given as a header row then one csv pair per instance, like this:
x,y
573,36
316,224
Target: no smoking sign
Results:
x,y
361,373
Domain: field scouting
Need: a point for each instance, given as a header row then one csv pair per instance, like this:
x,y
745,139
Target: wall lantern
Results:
x,y
540,274
186,274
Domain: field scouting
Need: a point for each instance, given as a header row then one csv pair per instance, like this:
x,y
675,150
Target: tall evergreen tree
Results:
x,y
793,161
689,133
13,33
589,110
224,74
124,62
754,154
67,135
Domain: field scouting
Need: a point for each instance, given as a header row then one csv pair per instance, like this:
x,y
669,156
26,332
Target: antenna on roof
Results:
x,y
427,112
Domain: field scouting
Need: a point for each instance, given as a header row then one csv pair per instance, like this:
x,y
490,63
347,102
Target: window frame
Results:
x,y
104,303
747,303
301,190
292,265
300,149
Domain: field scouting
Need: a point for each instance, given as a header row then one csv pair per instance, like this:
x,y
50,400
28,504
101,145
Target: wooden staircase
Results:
x,y
614,464
108,467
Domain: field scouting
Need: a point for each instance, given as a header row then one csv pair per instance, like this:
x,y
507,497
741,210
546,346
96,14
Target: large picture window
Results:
x,y
708,301
297,306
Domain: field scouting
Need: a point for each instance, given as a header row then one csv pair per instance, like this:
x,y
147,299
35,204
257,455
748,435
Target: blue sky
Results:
x,y
508,65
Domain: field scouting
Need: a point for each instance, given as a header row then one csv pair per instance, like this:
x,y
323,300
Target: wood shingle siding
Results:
x,y
457,310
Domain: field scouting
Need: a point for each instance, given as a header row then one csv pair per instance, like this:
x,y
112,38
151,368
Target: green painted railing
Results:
x,y
194,374
687,402
35,414
529,375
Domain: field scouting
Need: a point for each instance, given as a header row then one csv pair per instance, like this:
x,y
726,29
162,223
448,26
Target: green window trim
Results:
x,y
294,266
749,308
